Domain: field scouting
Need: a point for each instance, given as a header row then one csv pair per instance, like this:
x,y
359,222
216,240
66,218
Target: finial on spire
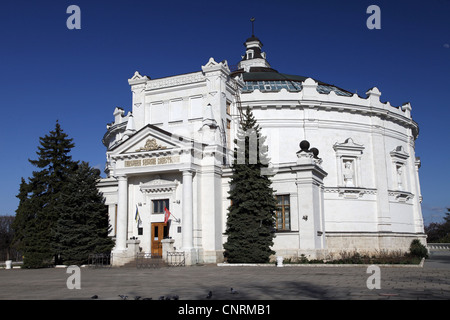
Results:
x,y
253,27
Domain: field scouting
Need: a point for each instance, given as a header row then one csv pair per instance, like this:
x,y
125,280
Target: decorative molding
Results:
x,y
137,78
399,157
348,158
151,145
349,147
399,154
353,104
159,186
350,193
211,63
401,196
175,81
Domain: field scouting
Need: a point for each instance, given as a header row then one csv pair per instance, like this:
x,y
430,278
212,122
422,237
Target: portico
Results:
x,y
151,171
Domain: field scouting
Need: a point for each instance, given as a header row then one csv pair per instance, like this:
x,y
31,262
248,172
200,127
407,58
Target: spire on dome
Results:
x,y
253,57
253,26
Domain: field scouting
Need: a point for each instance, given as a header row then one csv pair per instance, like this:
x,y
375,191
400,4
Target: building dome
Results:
x,y
258,74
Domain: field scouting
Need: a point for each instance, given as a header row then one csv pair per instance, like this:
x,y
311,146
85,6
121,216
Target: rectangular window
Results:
x,y
159,205
196,107
283,213
158,112
176,111
228,108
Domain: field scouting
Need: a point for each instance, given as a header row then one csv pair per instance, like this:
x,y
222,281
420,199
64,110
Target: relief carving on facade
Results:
x,y
151,145
348,174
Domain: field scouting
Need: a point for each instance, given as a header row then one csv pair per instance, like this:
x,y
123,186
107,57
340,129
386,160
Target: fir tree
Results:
x,y
82,227
251,215
439,232
36,215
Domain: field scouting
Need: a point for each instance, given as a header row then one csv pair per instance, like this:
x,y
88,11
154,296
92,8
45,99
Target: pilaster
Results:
x,y
381,176
311,220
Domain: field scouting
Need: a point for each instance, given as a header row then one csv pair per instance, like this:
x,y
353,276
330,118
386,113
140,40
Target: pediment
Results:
x,y
399,154
149,139
158,185
348,145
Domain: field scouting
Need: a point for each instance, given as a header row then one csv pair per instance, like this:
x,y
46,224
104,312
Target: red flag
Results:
x,y
166,215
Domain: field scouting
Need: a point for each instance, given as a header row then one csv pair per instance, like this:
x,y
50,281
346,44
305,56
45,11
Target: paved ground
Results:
x,y
253,283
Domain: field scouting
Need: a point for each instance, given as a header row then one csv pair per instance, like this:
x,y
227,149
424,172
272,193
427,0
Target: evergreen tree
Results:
x,y
251,215
36,215
439,232
23,216
24,225
83,226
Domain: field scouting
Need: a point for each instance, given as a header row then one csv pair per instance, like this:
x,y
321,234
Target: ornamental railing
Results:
x,y
100,260
148,260
176,259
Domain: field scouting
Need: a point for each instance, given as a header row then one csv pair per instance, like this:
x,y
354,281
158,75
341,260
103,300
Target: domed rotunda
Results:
x,y
343,167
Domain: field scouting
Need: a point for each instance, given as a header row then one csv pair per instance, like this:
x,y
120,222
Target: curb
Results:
x,y
318,265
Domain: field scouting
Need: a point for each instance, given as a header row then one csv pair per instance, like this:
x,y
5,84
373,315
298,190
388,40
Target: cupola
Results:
x,y
254,57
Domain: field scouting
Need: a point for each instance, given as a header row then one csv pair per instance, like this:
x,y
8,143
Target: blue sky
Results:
x,y
49,72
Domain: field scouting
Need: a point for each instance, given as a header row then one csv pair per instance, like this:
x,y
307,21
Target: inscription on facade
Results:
x,y
149,162
152,161
132,163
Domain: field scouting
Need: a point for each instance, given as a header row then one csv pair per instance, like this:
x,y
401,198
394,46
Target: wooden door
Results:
x,y
158,233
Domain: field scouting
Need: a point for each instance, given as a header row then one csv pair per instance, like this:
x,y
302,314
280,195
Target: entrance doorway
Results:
x,y
159,232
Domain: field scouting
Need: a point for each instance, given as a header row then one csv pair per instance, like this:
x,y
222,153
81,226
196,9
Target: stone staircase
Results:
x,y
146,263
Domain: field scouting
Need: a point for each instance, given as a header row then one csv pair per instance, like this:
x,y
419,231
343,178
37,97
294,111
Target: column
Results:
x,y
122,214
187,215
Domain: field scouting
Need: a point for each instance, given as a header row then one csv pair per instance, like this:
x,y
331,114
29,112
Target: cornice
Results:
x,y
354,104
158,186
175,80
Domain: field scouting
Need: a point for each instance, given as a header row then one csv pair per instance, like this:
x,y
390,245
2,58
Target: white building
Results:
x,y
174,148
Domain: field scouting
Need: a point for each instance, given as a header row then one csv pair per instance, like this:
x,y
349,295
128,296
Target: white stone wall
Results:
x,y
373,212
376,203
